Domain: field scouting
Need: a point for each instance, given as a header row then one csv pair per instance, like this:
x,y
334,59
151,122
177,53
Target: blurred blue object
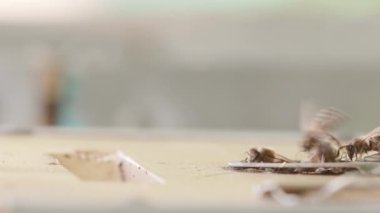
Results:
x,y
67,112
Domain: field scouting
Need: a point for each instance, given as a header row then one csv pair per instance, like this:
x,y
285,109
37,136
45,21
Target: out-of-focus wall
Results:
x,y
230,69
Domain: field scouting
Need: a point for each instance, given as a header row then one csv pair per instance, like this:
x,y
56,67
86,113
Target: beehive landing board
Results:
x,y
191,166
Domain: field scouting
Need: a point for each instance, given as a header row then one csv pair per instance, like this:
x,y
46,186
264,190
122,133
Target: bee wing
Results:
x,y
268,155
327,119
373,135
282,158
307,111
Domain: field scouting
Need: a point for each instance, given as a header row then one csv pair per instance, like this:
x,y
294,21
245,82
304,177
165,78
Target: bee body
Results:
x,y
318,140
265,155
364,144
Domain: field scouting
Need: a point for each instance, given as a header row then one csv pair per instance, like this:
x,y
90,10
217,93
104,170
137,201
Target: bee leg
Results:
x,y
360,155
322,158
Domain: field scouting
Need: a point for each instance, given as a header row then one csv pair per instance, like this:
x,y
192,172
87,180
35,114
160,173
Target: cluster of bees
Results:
x,y
320,143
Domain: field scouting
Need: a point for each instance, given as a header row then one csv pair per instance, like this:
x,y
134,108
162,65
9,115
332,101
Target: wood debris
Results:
x,y
334,168
104,166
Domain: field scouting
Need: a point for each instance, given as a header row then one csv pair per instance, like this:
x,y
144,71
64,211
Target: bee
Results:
x,y
363,144
323,152
265,155
318,140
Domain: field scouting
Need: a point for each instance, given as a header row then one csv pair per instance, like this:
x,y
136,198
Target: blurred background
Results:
x,y
187,64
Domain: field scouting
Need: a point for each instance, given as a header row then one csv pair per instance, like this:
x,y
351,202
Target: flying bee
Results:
x,y
265,155
318,140
363,144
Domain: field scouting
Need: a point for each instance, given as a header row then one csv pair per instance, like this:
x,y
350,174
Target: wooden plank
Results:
x,y
193,170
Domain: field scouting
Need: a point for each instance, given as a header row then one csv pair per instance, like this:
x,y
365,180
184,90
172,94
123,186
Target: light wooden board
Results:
x,y
193,169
